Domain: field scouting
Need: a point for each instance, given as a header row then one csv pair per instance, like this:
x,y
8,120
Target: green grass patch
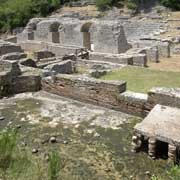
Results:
x,y
142,79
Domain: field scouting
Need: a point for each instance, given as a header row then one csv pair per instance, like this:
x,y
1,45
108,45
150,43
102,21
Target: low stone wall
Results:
x,y
125,58
98,92
7,47
43,54
164,96
13,80
110,94
133,103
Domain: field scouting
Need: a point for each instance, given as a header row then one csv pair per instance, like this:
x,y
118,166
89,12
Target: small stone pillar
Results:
x,y
136,142
172,153
152,148
53,37
29,33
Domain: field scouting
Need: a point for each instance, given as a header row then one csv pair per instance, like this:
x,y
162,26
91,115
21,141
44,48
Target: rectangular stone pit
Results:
x,y
160,127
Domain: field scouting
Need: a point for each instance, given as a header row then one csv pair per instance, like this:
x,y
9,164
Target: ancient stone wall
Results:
x,y
44,28
70,33
89,90
109,37
164,96
133,103
57,49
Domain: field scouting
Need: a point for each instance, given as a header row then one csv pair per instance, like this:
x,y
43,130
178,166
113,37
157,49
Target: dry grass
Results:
x,y
175,14
173,24
167,64
90,10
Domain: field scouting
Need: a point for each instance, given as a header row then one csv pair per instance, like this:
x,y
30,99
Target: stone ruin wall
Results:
x,y
111,94
103,36
98,92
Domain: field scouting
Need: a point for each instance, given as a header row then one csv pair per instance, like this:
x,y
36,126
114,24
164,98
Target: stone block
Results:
x,y
164,96
43,54
133,103
164,50
26,83
28,62
152,54
140,60
64,67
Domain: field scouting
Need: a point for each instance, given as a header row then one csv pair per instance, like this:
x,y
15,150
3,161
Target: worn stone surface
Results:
x,y
162,123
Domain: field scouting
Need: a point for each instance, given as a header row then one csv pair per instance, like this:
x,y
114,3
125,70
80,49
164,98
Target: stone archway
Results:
x,y
85,29
53,35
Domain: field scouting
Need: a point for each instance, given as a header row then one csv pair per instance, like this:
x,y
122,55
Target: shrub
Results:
x,y
174,173
7,146
54,166
103,4
14,13
132,5
174,4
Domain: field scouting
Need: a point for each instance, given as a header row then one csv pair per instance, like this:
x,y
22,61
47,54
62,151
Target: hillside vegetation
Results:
x,y
16,13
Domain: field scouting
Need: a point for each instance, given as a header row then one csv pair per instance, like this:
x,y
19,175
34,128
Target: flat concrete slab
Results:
x,y
162,123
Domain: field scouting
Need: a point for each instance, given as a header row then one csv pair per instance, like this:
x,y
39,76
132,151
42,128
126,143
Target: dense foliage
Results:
x,y
174,4
14,13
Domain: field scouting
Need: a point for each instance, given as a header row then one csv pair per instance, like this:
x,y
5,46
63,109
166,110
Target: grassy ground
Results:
x,y
142,79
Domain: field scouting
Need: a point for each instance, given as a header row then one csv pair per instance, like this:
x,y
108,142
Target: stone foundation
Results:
x,y
126,58
57,49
